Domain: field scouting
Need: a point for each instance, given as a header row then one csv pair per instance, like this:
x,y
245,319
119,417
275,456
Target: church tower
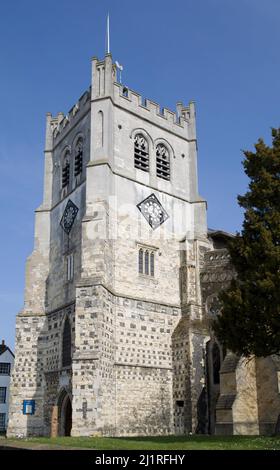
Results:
x,y
105,340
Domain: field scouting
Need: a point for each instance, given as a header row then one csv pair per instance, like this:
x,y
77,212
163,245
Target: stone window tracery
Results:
x,y
78,168
141,153
163,162
146,262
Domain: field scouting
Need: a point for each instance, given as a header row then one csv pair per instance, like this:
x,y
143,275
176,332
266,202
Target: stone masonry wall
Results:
x,y
143,364
57,377
93,360
28,381
122,376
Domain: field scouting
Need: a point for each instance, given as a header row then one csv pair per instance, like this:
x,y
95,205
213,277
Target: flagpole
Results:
x,y
108,34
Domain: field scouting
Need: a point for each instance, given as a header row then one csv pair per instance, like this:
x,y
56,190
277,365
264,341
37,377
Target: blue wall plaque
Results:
x,y
28,407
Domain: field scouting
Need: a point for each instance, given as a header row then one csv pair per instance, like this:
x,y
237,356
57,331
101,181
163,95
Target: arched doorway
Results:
x,y
66,417
64,414
214,360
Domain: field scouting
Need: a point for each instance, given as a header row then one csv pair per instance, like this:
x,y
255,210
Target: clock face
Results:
x,y
69,216
153,211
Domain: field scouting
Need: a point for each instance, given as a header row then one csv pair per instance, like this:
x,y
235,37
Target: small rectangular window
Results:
x,y
3,391
70,267
152,264
5,368
140,261
2,421
125,92
180,403
147,262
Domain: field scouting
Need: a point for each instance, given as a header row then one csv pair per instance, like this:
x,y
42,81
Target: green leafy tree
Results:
x,y
250,319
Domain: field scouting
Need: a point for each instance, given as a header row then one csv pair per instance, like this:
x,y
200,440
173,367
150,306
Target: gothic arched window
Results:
x,y
140,261
66,344
78,157
163,162
141,152
65,177
216,361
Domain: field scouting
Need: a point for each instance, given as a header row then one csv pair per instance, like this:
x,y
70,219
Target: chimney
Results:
x,y
3,342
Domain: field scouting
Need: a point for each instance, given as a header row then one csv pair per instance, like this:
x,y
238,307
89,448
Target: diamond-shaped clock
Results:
x,y
69,215
153,211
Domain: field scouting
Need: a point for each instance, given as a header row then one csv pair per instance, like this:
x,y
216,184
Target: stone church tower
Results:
x,y
114,336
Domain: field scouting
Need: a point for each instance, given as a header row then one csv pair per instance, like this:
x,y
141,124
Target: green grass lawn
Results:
x,y
197,442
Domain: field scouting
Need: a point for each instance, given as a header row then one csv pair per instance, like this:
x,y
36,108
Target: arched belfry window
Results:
x,y
163,162
78,157
216,361
65,177
141,152
66,344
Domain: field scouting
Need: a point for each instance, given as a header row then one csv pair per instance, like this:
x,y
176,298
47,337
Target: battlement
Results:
x,y
182,115
105,84
62,122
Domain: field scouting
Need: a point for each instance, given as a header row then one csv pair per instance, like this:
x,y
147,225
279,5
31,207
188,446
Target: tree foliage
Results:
x,y
250,319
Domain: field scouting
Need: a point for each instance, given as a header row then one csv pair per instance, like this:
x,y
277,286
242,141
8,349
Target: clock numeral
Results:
x,y
153,211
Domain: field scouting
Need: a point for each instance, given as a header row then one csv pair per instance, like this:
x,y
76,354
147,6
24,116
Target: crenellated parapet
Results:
x,y
105,85
149,109
61,123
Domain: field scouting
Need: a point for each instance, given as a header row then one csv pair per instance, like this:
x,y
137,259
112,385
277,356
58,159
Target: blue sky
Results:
x,y
223,54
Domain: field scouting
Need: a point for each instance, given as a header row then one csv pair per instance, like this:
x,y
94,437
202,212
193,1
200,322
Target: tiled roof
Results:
x,y
4,348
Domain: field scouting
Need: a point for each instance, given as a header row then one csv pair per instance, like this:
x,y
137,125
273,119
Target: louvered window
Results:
x,y
78,158
141,153
163,162
65,171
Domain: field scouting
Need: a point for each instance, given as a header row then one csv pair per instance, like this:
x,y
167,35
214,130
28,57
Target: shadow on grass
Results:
x,y
199,438
194,442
